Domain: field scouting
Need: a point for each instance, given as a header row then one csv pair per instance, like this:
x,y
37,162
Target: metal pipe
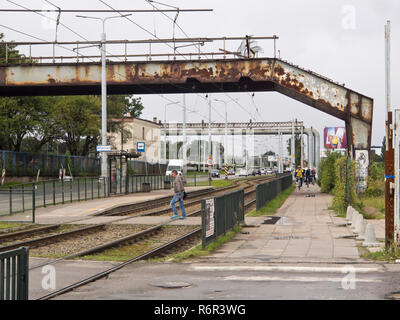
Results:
x,y
317,148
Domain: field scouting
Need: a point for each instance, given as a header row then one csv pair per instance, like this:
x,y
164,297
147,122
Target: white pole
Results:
x,y
184,137
165,133
104,171
209,136
293,162
226,135
397,176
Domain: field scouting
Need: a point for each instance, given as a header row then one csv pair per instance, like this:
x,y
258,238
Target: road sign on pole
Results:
x,y
103,148
140,147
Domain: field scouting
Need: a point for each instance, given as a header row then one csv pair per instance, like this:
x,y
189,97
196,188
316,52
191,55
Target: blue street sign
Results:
x,y
140,147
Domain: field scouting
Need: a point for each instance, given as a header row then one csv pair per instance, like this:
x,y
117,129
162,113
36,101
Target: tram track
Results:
x,y
161,250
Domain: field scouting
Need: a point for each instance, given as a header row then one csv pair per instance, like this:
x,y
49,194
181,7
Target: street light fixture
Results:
x,y
104,171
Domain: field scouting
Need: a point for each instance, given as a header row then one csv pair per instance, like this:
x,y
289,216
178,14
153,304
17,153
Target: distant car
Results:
x,y
269,171
256,171
263,171
231,172
241,172
215,173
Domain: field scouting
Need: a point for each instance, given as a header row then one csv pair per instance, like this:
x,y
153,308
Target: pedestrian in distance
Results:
x,y
179,192
299,177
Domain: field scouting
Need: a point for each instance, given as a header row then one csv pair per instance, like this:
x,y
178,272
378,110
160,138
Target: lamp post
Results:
x,y
104,171
165,130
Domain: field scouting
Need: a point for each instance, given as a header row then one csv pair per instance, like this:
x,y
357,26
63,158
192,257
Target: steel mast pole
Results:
x,y
104,171
184,147
389,154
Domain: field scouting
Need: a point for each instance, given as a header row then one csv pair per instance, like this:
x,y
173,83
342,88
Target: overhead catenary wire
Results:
x,y
47,17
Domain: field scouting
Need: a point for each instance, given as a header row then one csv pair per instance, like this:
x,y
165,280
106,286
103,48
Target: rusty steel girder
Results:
x,y
159,77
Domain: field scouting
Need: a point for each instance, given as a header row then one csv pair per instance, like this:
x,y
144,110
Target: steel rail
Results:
x,y
107,272
146,255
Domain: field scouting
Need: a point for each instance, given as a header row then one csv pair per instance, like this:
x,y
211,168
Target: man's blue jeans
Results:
x,y
175,198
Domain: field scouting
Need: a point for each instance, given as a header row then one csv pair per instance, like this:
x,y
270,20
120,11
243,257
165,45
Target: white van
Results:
x,y
174,165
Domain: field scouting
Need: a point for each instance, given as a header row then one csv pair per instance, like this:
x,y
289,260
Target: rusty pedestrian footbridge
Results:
x,y
239,74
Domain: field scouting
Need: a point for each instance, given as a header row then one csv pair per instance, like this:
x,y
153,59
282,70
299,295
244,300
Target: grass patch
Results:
x,y
121,254
273,205
125,253
198,251
390,255
373,207
11,225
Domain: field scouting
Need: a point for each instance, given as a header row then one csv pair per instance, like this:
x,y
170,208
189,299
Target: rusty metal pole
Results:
x,y
389,153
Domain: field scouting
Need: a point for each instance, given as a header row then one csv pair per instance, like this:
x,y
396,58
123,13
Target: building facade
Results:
x,y
126,133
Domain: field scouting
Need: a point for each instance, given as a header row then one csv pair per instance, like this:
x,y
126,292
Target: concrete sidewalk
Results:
x,y
306,232
71,212
304,255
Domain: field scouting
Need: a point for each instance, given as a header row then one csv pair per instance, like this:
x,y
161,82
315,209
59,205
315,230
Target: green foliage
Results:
x,y
332,179
297,147
327,173
272,206
376,183
340,203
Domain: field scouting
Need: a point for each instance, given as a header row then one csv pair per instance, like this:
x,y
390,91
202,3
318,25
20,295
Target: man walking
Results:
x,y
178,196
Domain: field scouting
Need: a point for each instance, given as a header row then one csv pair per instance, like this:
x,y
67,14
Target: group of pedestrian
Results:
x,y
307,175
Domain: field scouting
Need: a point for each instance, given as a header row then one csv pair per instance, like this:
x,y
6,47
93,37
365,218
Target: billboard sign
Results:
x,y
335,138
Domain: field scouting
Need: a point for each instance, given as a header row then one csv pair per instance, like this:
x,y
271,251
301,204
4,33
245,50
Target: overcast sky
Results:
x,y
342,40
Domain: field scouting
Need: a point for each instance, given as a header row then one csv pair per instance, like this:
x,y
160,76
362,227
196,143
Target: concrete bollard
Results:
x,y
370,239
361,229
349,214
354,220
356,225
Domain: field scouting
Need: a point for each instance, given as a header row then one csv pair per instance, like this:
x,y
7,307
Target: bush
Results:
x,y
326,172
376,182
340,200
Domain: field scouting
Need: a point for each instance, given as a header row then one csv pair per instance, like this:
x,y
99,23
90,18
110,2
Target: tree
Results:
x,y
79,121
297,148
13,55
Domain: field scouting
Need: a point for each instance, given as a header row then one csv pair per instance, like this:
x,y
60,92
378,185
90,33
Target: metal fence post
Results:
x,y
62,191
10,201
23,198
79,191
44,194
54,192
70,190
33,204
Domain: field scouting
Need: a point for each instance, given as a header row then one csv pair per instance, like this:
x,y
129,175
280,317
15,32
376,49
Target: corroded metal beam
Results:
x,y
161,77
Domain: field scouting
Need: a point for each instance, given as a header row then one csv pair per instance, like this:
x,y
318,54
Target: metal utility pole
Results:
x,y
397,176
301,148
389,153
209,137
292,151
184,156
104,171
